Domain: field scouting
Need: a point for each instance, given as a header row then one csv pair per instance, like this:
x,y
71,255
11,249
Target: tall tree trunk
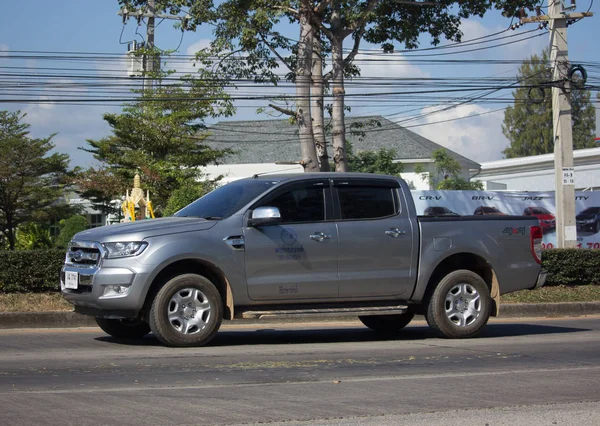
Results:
x,y
316,103
11,232
303,118
337,116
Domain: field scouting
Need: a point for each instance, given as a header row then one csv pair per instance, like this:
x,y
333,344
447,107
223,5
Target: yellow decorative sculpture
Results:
x,y
136,200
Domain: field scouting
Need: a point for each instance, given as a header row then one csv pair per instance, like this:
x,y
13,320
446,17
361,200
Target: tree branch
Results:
x,y
272,49
321,7
283,110
233,52
315,19
360,22
357,40
286,9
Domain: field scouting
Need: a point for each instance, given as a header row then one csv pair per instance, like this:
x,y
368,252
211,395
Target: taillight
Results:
x,y
536,236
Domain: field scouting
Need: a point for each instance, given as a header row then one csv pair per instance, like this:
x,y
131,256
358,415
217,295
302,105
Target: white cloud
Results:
x,y
473,29
73,125
511,45
186,65
384,66
4,49
478,138
195,47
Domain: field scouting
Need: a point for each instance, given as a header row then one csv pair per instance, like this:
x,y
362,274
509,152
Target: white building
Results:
x,y
536,173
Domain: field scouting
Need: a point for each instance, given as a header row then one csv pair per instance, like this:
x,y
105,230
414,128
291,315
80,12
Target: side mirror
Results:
x,y
264,216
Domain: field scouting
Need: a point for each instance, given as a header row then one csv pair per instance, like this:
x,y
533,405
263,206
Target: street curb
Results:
x,y
565,309
59,319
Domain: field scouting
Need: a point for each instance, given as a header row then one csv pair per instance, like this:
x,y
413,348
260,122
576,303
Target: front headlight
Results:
x,y
124,249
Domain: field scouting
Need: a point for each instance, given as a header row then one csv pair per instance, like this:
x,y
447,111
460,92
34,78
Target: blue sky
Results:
x,y
94,26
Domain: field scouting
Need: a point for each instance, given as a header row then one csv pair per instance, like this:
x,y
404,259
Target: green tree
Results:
x,y
447,173
68,228
160,137
250,26
187,194
378,162
528,124
32,181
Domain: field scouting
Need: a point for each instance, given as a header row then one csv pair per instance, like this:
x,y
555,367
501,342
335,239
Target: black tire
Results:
x,y
454,310
123,328
387,323
187,311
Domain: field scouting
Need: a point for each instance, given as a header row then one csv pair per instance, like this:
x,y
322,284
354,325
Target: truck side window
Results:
x,y
363,202
305,204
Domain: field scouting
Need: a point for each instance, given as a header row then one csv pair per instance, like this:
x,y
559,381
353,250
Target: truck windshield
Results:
x,y
226,200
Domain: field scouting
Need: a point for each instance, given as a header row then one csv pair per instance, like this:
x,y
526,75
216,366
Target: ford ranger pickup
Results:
x,y
324,244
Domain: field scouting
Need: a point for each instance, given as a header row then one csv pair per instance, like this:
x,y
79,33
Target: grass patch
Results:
x,y
33,302
555,294
45,302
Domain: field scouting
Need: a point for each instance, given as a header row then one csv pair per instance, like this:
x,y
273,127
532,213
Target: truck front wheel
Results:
x,y
187,311
460,305
123,328
387,323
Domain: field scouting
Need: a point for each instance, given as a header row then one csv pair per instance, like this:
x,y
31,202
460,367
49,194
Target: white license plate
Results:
x,y
71,279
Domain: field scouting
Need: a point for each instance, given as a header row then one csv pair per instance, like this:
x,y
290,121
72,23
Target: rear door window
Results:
x,y
367,202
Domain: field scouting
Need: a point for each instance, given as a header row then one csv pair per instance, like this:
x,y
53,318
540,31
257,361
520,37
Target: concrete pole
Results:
x,y
566,231
151,59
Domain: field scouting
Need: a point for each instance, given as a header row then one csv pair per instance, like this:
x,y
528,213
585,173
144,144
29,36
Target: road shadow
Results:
x,y
516,329
328,334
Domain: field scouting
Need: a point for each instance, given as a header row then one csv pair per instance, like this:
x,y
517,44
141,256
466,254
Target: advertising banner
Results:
x,y
537,204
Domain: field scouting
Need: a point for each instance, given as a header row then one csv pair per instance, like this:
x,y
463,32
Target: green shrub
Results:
x,y
70,227
30,271
33,236
571,266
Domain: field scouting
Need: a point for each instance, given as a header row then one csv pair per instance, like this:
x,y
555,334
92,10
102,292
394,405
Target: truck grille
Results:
x,y
83,254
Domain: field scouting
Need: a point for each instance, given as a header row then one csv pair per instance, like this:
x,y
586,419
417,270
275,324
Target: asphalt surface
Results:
x,y
520,371
513,310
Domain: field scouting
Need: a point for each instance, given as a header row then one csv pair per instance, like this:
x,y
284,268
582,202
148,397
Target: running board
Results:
x,y
328,312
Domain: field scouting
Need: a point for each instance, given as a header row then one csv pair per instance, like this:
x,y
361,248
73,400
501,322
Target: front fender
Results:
x,y
167,250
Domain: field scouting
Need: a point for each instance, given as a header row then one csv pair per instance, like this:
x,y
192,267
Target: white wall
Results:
x,y
233,172
536,173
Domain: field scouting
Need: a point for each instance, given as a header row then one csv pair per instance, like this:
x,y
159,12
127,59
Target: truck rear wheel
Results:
x,y
123,328
387,323
187,311
460,305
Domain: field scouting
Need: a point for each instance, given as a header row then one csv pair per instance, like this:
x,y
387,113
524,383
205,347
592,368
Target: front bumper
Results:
x,y
90,297
541,280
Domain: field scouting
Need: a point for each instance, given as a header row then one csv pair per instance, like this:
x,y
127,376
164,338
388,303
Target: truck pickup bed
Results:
x,y
321,244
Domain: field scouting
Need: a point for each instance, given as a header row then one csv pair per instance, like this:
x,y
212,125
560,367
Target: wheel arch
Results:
x,y
192,266
471,262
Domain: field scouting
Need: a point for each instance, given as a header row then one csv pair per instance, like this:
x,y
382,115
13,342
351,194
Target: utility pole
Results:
x,y
564,172
151,63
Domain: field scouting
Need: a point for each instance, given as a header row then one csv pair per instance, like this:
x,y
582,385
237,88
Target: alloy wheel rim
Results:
x,y
463,305
189,311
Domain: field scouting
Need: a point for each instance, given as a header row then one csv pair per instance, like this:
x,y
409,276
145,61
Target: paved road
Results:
x,y
537,371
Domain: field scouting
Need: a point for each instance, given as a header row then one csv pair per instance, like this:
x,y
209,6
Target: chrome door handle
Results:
x,y
319,237
395,232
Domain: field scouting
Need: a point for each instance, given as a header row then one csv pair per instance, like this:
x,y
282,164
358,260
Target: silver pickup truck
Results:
x,y
320,244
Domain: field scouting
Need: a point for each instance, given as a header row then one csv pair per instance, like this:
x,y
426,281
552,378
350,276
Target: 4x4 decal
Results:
x,y
514,231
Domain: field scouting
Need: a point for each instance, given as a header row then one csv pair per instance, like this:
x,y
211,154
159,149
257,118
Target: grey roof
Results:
x,y
272,141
